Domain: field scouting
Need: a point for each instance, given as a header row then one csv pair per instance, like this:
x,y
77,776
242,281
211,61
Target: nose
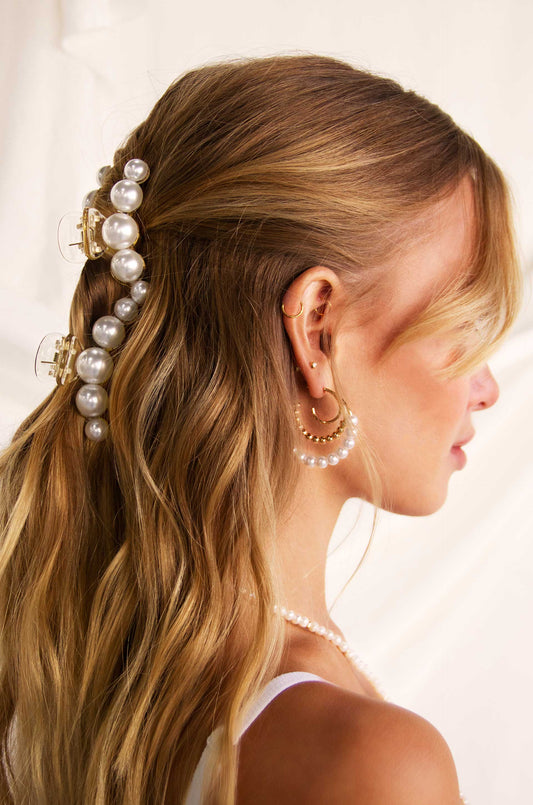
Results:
x,y
484,390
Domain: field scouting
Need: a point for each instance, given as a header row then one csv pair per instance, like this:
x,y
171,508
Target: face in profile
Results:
x,y
413,419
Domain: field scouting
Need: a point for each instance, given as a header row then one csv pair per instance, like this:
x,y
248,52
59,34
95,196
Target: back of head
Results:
x,y
125,633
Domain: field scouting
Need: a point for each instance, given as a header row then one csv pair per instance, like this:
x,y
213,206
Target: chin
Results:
x,y
418,504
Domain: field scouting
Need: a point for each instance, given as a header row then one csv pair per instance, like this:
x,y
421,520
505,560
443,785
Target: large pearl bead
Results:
x,y
139,291
126,195
120,231
127,265
108,332
126,309
91,400
96,429
137,170
94,365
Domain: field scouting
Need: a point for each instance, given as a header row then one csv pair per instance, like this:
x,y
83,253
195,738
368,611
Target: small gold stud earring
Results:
x,y
313,364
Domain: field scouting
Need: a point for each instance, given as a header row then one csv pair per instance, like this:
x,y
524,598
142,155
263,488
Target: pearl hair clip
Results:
x,y
61,356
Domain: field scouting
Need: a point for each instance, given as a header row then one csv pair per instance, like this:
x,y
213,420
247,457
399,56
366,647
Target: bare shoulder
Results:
x,y
318,743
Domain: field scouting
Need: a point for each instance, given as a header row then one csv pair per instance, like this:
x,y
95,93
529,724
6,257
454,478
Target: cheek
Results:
x,y
404,407
416,406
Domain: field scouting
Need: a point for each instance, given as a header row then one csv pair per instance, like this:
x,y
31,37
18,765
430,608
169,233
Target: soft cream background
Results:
x,y
442,607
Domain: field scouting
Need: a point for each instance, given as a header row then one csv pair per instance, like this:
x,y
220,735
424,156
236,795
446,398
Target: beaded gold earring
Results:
x,y
350,432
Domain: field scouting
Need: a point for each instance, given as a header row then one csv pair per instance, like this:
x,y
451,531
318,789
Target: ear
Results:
x,y
315,289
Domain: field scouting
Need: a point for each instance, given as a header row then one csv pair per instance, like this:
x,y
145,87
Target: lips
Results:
x,y
464,441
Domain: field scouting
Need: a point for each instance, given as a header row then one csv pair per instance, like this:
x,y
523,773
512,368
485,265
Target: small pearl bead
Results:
x,y
96,429
100,176
333,459
89,198
322,462
139,291
342,452
125,309
137,170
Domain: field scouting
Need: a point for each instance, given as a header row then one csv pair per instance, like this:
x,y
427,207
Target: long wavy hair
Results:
x,y
125,635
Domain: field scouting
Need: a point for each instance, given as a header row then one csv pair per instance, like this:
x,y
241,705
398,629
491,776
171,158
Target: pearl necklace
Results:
x,y
338,641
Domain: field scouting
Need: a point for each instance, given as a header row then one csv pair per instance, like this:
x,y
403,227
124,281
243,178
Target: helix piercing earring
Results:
x,y
293,315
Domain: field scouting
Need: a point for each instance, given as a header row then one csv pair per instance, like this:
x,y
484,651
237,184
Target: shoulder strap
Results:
x,y
273,689
269,692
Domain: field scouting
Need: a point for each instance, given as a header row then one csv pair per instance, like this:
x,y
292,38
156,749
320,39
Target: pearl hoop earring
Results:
x,y
349,432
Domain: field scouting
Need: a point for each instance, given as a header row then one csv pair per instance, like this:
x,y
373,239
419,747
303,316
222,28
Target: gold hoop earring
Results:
x,y
293,315
312,436
328,421
327,302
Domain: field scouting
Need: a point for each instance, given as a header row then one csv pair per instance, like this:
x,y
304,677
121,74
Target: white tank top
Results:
x,y
269,692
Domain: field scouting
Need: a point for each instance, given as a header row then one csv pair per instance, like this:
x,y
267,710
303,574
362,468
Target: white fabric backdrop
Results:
x,y
441,607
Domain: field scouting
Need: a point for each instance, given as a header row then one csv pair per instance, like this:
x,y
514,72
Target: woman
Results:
x,y
330,260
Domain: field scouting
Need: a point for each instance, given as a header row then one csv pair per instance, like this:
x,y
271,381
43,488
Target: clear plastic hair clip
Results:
x,y
80,239
56,357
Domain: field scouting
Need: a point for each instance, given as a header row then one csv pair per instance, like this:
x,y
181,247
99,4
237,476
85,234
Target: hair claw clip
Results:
x,y
56,357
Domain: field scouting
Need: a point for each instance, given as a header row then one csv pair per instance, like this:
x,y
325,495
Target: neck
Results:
x,y
303,537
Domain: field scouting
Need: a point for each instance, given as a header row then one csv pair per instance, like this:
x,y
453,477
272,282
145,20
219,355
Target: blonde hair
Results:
x,y
125,637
